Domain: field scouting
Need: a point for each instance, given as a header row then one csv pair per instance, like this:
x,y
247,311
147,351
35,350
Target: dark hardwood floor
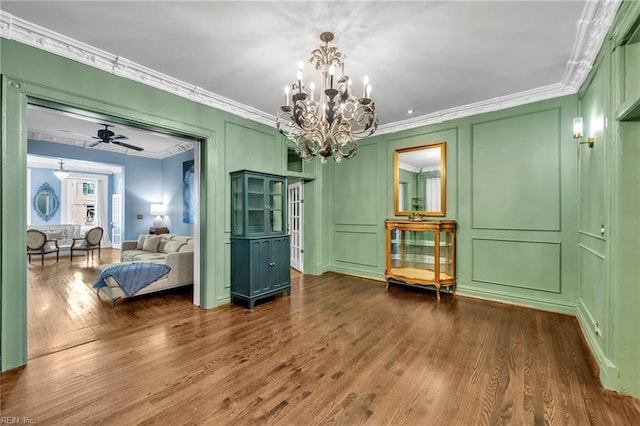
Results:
x,y
63,311
339,350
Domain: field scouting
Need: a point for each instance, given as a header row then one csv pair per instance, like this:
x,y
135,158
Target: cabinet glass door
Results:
x,y
419,248
256,205
397,260
236,201
276,206
447,266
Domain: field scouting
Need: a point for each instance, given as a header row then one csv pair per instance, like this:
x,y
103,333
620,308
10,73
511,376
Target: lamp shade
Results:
x,y
577,127
158,210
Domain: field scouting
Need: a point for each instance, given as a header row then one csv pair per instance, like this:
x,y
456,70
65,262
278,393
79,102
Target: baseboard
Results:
x,y
526,301
355,272
608,371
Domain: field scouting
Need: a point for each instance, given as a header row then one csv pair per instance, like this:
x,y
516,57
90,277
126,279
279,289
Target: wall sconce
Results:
x,y
158,210
577,133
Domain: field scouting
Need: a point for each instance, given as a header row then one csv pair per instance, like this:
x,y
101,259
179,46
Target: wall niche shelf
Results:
x,y
421,253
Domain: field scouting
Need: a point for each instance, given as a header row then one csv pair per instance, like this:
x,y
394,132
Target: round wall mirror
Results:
x,y
46,202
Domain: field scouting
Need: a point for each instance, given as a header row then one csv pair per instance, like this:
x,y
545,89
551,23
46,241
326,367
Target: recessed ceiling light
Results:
x,y
411,111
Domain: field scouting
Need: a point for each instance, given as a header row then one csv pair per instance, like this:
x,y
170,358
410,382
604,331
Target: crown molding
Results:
x,y
494,104
175,150
14,28
594,24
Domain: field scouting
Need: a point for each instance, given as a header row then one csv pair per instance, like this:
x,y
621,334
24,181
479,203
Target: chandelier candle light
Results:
x,y
332,124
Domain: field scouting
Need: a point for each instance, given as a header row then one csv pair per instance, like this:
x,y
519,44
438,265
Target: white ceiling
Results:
x,y
74,129
441,59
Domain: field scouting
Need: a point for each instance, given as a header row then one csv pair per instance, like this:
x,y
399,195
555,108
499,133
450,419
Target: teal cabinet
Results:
x,y
259,243
259,268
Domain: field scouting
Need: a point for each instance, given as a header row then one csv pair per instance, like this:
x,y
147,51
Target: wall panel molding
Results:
x,y
359,248
514,259
523,191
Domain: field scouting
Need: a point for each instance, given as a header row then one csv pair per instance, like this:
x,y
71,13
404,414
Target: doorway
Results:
x,y
296,224
63,309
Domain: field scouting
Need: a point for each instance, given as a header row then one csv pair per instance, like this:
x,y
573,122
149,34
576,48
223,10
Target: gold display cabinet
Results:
x,y
421,253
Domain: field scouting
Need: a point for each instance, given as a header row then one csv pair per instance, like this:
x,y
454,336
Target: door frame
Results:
x,y
296,247
17,95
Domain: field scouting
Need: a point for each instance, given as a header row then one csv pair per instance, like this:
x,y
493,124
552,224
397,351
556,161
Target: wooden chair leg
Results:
x,y
57,256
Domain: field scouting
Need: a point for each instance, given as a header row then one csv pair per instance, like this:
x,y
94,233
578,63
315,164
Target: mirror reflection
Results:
x,y
46,202
420,180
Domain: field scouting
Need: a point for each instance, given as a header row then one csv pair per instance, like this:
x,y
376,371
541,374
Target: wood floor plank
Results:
x,y
339,350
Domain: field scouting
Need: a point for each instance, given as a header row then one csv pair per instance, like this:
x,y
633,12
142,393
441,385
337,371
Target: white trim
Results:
x,y
71,165
174,150
297,240
594,24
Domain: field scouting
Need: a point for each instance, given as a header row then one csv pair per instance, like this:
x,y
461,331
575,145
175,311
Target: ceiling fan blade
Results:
x,y
118,137
126,145
98,142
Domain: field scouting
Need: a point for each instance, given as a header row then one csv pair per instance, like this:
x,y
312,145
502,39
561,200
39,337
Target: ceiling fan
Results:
x,y
108,136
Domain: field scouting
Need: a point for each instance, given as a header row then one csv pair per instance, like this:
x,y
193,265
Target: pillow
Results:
x,y
141,239
171,247
151,243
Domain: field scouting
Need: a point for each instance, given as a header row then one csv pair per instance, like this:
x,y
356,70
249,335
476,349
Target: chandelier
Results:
x,y
331,124
61,173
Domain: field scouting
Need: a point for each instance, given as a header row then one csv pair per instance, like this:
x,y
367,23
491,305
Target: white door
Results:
x,y
295,220
116,220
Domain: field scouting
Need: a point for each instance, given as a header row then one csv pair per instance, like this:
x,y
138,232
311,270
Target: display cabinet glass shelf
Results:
x,y
421,253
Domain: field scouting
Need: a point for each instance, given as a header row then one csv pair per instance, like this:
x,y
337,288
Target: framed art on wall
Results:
x,y
187,191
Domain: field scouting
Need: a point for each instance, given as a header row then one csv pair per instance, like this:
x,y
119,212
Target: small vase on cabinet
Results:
x,y
259,243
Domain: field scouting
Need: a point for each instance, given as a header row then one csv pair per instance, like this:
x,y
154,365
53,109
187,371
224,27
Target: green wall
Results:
x,y
511,186
609,198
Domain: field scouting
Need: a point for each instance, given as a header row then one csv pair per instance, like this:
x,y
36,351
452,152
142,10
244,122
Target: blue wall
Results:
x,y
172,192
147,181
38,178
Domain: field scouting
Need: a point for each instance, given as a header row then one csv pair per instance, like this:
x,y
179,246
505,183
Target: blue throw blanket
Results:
x,y
133,277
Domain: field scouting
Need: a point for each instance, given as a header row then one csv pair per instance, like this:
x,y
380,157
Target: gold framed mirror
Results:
x,y
420,180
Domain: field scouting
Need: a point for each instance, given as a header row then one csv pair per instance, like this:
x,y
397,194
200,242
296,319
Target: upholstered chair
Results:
x,y
88,243
39,245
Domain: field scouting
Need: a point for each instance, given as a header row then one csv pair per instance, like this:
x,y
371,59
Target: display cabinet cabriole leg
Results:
x,y
438,293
